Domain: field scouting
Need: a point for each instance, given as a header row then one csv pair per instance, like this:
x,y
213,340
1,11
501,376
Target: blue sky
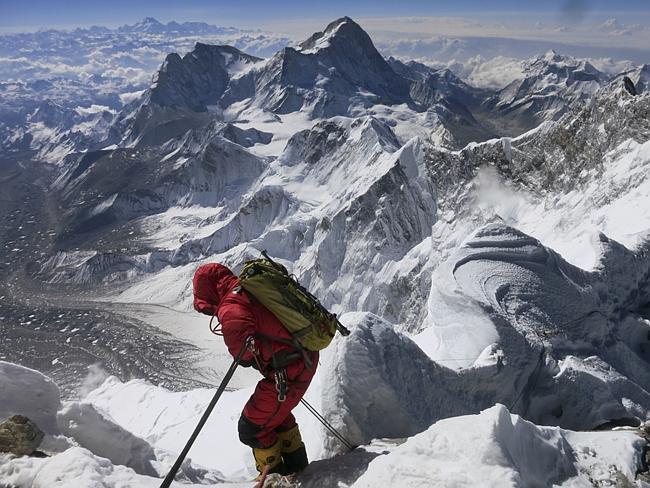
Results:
x,y
32,14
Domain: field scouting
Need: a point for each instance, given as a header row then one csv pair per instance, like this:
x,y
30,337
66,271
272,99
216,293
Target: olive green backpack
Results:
x,y
298,310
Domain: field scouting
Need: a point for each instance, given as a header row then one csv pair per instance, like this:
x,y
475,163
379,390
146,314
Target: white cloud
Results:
x,y
461,39
128,97
93,109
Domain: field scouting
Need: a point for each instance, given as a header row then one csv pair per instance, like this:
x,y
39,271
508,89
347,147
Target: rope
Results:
x,y
216,329
327,425
181,457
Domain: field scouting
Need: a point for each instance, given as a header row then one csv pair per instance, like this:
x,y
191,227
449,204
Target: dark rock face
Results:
x,y
199,78
19,436
350,51
182,93
629,86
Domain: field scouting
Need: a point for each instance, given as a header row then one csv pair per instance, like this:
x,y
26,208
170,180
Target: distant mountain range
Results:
x,y
325,145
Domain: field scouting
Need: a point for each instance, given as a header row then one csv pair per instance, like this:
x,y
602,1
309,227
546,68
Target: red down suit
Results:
x,y
217,292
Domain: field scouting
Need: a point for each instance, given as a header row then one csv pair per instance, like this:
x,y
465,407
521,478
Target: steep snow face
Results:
x,y
592,369
377,383
497,449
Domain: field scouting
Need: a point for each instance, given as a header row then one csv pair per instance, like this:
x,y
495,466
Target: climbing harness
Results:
x,y
281,381
281,386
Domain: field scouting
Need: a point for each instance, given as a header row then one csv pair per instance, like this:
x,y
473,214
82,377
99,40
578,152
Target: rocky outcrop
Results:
x,y
20,436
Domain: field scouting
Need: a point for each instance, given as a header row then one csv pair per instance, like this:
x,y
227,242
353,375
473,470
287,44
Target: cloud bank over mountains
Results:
x,y
111,67
107,66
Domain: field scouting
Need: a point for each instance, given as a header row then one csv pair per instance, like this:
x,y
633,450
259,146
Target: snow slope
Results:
x,y
120,426
498,449
121,429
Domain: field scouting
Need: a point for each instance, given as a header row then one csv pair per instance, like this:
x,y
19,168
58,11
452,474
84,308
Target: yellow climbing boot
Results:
x,y
293,450
269,455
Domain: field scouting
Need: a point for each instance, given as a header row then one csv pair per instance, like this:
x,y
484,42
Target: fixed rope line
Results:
x,y
327,425
222,387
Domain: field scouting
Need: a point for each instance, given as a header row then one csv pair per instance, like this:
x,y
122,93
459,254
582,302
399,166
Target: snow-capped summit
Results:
x,y
551,84
329,73
551,56
343,29
147,25
182,92
552,62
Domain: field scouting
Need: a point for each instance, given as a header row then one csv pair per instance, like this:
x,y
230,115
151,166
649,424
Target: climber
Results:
x,y
266,423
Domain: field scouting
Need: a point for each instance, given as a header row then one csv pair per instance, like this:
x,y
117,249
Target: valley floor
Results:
x,y
62,333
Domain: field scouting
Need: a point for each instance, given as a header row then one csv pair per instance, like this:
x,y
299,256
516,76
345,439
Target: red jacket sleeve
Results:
x,y
237,325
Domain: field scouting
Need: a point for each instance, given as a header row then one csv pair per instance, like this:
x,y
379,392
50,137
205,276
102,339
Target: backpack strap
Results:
x,y
289,342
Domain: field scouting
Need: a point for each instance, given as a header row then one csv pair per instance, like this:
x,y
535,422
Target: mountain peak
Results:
x,y
199,78
344,29
149,23
552,56
150,20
